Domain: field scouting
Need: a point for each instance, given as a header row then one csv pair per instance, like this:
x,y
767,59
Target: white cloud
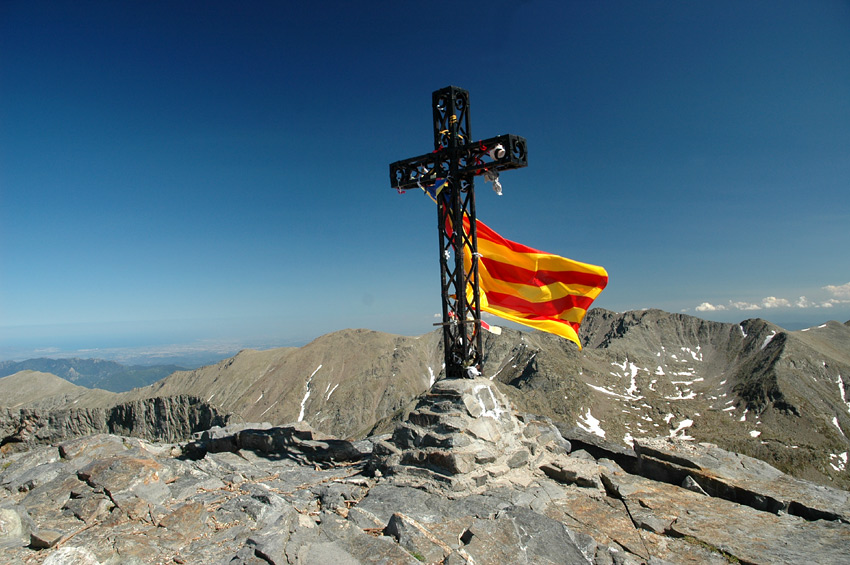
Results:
x,y
840,291
840,295
744,306
773,302
804,302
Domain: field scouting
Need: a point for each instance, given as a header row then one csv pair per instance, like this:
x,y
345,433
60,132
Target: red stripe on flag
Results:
x,y
528,309
517,275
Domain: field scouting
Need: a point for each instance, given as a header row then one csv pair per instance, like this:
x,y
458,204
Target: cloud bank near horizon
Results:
x,y
839,294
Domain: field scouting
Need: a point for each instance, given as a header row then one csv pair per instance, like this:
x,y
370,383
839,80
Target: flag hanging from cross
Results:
x,y
507,279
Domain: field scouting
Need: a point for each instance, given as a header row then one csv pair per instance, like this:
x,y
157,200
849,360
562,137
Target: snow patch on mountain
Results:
x,y
307,394
590,424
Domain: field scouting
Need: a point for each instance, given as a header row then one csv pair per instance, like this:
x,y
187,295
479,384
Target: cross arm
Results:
x,y
473,158
423,170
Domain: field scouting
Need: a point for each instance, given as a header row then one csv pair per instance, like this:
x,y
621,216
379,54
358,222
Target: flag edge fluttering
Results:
x,y
564,322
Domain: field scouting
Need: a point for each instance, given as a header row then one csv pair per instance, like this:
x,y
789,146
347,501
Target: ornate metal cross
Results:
x,y
457,159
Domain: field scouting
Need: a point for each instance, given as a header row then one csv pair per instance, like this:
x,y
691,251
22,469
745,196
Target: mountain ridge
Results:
x,y
750,387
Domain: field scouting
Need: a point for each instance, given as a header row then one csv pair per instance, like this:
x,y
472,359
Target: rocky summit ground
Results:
x,y
463,479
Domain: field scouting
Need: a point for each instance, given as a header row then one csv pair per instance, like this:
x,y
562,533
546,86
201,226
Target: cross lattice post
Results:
x,y
457,159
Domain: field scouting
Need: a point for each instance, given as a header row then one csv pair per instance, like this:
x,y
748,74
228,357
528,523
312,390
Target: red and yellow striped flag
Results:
x,y
533,288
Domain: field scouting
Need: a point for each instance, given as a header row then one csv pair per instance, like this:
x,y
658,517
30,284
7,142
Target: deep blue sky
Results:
x,y
196,170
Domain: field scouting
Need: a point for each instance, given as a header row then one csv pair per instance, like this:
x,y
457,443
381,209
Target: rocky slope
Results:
x,y
464,480
751,387
342,383
165,419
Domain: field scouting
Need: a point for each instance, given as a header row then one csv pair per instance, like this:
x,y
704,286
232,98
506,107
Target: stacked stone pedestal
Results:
x,y
462,435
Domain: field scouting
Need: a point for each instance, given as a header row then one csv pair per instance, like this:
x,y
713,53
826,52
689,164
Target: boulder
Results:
x,y
12,531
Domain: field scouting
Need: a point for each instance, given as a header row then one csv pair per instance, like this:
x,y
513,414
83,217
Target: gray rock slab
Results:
x,y
189,520
664,549
224,464
595,445
338,495
136,485
117,474
428,542
604,518
690,484
760,537
24,471
384,500
363,547
189,485
86,449
545,433
47,500
520,535
32,477
218,546
364,519
731,529
322,553
270,542
134,545
262,508
744,479
71,556
90,508
303,533
572,470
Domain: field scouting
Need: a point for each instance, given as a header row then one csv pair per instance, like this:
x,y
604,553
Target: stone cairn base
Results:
x,y
463,435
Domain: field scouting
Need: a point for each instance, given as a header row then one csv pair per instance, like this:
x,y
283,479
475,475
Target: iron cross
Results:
x,y
453,165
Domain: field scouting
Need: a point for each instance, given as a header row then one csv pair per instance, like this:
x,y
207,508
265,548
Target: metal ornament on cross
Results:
x,y
458,160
